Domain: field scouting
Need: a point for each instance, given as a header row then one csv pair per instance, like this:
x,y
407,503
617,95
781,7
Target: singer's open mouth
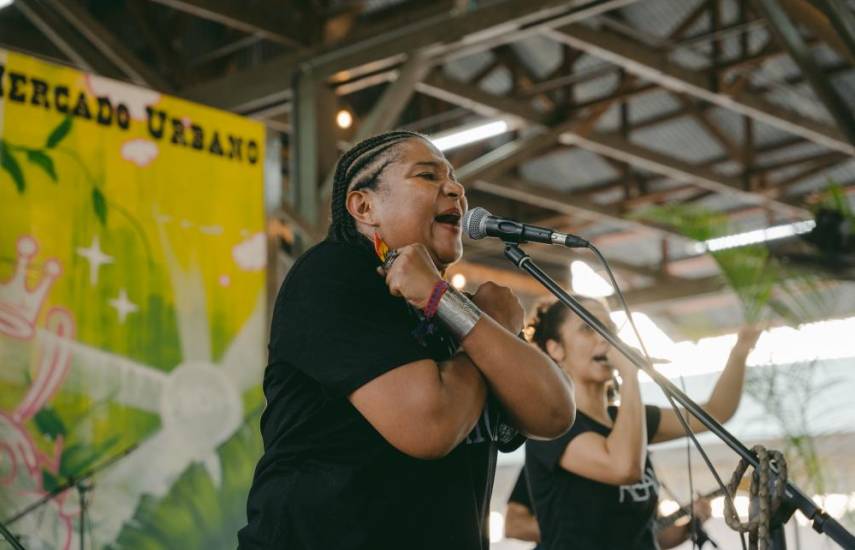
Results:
x,y
450,218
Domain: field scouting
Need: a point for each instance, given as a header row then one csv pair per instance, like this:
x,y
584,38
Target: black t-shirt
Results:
x,y
327,478
577,513
519,493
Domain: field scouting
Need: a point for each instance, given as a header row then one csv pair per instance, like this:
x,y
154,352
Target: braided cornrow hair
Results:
x,y
360,168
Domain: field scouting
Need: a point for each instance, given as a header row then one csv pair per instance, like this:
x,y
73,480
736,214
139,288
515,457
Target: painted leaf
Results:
x,y
11,166
49,481
198,512
43,161
49,423
99,203
77,458
59,133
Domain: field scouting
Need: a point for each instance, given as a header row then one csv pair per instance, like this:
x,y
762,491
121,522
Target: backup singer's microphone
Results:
x,y
479,223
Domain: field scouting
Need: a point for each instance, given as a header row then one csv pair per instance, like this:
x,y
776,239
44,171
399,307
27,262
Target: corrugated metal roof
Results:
x,y
732,125
498,82
649,105
568,169
682,138
541,55
464,68
843,173
658,17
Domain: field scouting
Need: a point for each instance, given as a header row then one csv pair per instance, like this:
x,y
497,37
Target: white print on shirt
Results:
x,y
642,491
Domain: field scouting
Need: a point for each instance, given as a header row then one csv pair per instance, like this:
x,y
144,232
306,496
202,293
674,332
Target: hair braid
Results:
x,y
356,169
546,323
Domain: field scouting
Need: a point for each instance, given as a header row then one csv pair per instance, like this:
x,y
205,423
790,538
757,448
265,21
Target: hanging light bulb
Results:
x,y
344,119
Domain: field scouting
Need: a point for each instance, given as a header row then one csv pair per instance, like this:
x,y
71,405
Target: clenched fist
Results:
x,y
501,304
412,275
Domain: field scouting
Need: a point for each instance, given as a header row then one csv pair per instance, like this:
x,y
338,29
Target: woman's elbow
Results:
x,y
629,475
436,439
554,421
562,413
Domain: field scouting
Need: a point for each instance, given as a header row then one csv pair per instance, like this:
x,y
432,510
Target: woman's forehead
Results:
x,y
418,151
599,311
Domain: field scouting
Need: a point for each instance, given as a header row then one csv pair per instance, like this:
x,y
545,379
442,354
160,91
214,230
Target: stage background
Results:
x,y
132,309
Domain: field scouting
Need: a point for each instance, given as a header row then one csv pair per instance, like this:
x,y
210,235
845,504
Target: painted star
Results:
x,y
96,258
123,305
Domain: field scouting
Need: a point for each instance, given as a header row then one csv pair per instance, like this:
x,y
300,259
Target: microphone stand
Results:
x,y
793,499
83,486
10,538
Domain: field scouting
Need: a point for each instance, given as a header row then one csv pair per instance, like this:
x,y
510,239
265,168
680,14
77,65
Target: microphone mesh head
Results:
x,y
474,222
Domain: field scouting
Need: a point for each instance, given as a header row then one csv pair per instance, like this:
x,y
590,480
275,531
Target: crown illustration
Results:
x,y
20,305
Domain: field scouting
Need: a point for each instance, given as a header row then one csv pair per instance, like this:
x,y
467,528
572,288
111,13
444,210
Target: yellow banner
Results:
x,y
132,277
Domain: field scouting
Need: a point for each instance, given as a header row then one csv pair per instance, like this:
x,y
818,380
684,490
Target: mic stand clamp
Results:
x,y
821,521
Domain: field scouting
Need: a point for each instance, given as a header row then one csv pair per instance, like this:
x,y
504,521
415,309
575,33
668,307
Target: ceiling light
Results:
x,y
344,119
4,3
754,237
458,281
458,138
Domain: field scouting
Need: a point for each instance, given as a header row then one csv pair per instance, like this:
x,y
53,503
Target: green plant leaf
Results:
x,y
49,423
10,165
43,161
59,133
99,203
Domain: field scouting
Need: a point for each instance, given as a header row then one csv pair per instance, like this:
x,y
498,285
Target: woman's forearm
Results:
x,y
627,443
727,392
536,394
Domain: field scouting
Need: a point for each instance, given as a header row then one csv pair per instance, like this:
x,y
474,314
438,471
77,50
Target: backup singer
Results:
x,y
521,523
594,487
388,393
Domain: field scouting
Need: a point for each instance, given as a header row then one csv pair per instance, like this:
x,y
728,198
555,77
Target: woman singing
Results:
x,y
594,488
389,393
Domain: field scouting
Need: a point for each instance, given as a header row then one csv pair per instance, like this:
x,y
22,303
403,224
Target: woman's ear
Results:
x,y
360,205
555,350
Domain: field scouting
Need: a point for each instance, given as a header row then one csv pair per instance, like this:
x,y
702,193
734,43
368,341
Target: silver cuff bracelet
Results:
x,y
457,313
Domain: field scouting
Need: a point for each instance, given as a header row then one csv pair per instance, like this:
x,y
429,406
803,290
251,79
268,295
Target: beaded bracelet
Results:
x,y
435,296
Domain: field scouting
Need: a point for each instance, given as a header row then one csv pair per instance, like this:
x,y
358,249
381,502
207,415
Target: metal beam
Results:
x,y
834,16
271,22
516,152
609,145
843,20
563,257
386,112
313,147
108,45
17,33
649,64
440,36
531,193
65,38
674,290
789,36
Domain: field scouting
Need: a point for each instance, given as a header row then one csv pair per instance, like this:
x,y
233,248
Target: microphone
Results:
x,y
479,223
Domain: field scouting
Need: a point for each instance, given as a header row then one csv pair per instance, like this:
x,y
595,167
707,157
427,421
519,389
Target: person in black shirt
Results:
x,y
521,523
594,487
389,394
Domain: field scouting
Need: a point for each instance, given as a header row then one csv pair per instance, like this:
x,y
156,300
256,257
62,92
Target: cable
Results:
x,y
679,413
